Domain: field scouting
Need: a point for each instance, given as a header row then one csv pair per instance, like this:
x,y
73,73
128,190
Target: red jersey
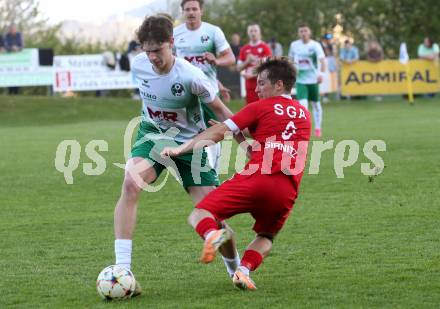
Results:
x,y
280,127
260,50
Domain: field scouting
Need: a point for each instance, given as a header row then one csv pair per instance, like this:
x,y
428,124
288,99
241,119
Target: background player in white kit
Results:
x,y
205,46
309,59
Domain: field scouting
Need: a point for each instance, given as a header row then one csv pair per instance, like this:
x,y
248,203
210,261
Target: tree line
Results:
x,y
390,22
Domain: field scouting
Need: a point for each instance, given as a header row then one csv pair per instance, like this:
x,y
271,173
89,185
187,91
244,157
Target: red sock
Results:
x,y
205,226
251,259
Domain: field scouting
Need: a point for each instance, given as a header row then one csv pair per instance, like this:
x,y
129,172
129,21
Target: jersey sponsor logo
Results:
x,y
289,149
166,118
195,59
145,83
159,115
177,90
204,38
148,96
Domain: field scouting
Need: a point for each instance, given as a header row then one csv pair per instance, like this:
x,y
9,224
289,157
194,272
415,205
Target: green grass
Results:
x,y
349,242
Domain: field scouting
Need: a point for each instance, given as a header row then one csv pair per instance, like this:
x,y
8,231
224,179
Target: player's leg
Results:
x,y
275,197
139,172
317,108
227,200
256,251
214,235
302,95
228,249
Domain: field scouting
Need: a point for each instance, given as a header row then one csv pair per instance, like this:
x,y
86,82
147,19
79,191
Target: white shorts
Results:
x,y
214,153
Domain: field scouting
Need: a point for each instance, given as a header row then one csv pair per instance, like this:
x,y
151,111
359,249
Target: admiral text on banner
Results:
x,y
389,77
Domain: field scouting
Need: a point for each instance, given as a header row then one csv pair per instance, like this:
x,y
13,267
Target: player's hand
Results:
x,y
210,58
213,122
226,94
320,79
170,152
249,152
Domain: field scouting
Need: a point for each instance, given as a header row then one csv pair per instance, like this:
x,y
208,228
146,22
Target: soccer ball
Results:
x,y
115,282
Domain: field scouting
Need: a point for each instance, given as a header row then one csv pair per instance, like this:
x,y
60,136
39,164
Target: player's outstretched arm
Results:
x,y
214,134
223,112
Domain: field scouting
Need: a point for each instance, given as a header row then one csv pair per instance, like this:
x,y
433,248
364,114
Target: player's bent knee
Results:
x,y
140,171
268,236
130,187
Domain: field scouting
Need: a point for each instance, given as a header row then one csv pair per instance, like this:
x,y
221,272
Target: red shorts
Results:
x,y
268,198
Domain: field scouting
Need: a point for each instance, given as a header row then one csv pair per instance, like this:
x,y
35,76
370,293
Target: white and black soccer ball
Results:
x,y
115,282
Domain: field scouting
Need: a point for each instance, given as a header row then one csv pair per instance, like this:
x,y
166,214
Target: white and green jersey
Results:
x,y
306,59
173,99
192,44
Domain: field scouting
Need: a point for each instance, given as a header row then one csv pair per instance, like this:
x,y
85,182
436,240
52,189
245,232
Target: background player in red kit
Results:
x,y
268,186
250,56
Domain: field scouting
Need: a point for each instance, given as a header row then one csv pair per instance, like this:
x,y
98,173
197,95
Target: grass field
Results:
x,y
349,242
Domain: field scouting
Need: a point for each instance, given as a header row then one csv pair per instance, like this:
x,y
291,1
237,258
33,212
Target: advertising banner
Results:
x,y
389,77
19,69
88,72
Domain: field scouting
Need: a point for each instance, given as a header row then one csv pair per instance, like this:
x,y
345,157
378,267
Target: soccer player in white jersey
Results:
x,y
205,46
172,91
309,59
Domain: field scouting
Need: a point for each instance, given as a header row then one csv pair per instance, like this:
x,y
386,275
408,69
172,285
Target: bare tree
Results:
x,y
24,14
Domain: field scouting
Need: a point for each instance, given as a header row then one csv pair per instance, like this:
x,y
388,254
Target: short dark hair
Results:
x,y
201,2
279,68
157,28
430,40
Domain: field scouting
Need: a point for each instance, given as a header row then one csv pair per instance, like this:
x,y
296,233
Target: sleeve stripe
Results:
x,y
232,126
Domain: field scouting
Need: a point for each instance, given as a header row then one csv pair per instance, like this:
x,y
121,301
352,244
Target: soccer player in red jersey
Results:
x,y
250,56
268,186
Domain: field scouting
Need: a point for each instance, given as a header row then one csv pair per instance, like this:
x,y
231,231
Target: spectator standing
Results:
x,y
13,40
374,52
375,55
428,50
349,53
276,47
250,57
134,48
329,51
13,43
235,44
2,43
